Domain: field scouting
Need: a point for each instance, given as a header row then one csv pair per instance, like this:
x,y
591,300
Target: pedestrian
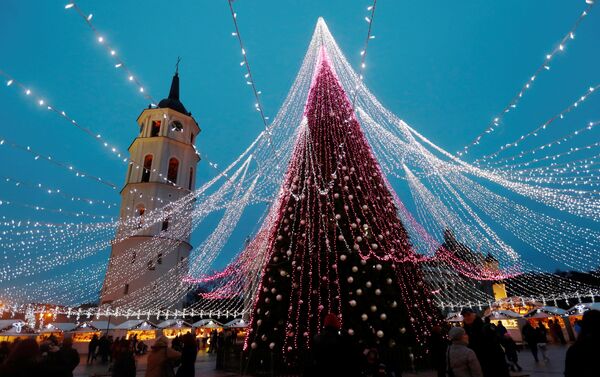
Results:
x,y
530,336
68,356
511,350
542,334
220,350
103,348
4,351
577,328
582,356
23,360
92,347
501,330
438,343
332,353
557,331
189,352
484,340
124,360
461,361
162,359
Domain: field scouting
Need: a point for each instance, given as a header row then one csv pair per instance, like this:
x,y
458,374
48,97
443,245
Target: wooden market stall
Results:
x,y
82,333
203,329
576,312
56,330
510,320
12,329
174,327
545,314
238,327
144,330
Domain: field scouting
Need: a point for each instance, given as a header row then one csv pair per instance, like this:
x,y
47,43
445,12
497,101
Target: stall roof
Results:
x,y
59,326
581,308
237,323
174,324
503,314
208,324
545,312
136,324
17,327
85,327
103,325
454,317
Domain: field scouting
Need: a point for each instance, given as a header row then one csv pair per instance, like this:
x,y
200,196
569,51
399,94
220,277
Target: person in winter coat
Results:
x,y
92,347
461,361
161,359
332,353
188,356
124,360
531,337
69,356
542,335
438,343
484,340
582,356
510,347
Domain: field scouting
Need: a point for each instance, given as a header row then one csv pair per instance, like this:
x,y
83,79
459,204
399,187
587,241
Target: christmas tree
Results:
x,y
336,243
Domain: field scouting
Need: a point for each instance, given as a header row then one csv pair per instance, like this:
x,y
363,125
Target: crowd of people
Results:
x,y
480,348
477,348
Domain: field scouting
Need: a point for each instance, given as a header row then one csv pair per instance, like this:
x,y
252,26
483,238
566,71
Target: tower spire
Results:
x,y
172,101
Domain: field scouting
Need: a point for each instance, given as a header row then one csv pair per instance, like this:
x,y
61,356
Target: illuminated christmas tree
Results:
x,y
336,243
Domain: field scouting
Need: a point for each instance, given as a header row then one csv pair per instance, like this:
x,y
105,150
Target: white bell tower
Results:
x,y
164,172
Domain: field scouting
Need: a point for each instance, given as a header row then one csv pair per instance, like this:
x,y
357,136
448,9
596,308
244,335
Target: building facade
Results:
x,y
162,171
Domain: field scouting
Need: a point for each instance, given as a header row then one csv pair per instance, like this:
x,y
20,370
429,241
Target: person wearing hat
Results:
x,y
461,361
484,340
162,359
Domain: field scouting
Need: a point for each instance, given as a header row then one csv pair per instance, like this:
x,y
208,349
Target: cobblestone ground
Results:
x,y
205,366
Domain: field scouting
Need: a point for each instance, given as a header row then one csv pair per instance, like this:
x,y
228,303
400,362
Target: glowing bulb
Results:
x,y
100,39
370,7
69,6
130,78
113,52
9,82
561,47
41,102
89,18
142,89
118,65
367,19
28,92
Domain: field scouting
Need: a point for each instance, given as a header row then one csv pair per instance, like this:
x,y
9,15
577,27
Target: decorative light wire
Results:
x,y
119,63
497,121
363,53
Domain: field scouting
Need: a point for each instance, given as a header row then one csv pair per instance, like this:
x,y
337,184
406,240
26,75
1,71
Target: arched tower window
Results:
x,y
173,168
140,210
147,168
191,179
155,128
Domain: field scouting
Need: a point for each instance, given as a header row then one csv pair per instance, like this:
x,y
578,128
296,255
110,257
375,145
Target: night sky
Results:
x,y
444,67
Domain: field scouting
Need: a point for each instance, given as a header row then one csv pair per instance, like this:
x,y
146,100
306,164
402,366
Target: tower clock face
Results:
x,y
176,126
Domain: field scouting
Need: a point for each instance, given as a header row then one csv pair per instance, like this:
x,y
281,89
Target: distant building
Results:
x,y
164,171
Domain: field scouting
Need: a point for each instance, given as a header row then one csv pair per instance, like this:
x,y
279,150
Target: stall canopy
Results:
x,y
454,317
85,327
579,309
174,323
136,324
58,327
545,312
237,323
208,324
103,325
15,327
503,314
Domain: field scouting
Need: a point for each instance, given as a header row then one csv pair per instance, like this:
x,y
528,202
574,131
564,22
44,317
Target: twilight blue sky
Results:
x,y
445,67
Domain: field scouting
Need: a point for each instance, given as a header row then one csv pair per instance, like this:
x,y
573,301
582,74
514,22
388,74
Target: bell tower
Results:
x,y
164,171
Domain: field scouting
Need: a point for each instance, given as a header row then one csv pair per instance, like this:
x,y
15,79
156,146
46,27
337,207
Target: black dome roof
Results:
x,y
173,102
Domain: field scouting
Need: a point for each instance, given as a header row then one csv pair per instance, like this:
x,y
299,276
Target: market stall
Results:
x,y
238,327
82,333
454,317
510,320
142,329
12,329
175,327
203,329
548,315
55,330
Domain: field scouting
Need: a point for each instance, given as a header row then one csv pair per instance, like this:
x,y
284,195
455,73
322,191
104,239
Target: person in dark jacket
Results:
x,y
582,356
92,347
23,360
438,343
486,344
511,350
332,353
461,361
189,351
557,332
530,336
124,360
68,356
